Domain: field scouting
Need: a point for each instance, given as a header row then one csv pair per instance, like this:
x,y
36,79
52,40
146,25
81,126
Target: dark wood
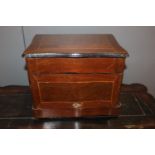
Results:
x,y
75,87
138,111
14,89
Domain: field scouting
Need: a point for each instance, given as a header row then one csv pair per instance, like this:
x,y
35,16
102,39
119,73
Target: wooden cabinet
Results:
x,y
75,75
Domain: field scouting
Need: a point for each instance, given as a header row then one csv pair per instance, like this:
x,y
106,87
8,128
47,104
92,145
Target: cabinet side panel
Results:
x,y
31,67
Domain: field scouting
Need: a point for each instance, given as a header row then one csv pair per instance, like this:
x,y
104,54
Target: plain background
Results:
x,y
138,41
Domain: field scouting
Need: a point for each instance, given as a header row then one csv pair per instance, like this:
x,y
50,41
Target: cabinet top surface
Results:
x,y
75,45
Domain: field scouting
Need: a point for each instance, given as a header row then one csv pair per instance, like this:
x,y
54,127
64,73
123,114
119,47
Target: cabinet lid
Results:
x,y
74,45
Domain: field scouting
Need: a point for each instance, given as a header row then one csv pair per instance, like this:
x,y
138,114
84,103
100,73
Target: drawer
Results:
x,y
75,65
76,91
67,112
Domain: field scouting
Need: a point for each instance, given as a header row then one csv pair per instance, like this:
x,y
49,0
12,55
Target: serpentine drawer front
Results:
x,y
75,75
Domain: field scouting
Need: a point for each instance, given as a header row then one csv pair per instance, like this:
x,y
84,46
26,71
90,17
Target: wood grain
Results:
x,y
75,87
16,102
76,65
75,43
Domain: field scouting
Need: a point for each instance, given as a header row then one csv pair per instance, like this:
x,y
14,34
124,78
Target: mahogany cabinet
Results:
x,y
75,75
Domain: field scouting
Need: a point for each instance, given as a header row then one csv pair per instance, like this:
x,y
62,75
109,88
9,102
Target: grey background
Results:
x,y
138,41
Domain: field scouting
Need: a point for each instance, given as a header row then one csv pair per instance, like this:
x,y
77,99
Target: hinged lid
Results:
x,y
75,45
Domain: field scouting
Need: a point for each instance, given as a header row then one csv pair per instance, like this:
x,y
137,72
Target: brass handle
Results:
x,y
76,105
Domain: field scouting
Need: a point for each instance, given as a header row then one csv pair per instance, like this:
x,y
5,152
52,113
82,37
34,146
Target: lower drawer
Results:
x,y
75,92
70,113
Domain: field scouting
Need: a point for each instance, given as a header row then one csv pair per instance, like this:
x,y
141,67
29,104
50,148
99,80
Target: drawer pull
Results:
x,y
77,105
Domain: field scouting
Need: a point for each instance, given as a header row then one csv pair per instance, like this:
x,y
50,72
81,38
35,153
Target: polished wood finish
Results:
x,y
75,43
137,112
76,65
75,87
